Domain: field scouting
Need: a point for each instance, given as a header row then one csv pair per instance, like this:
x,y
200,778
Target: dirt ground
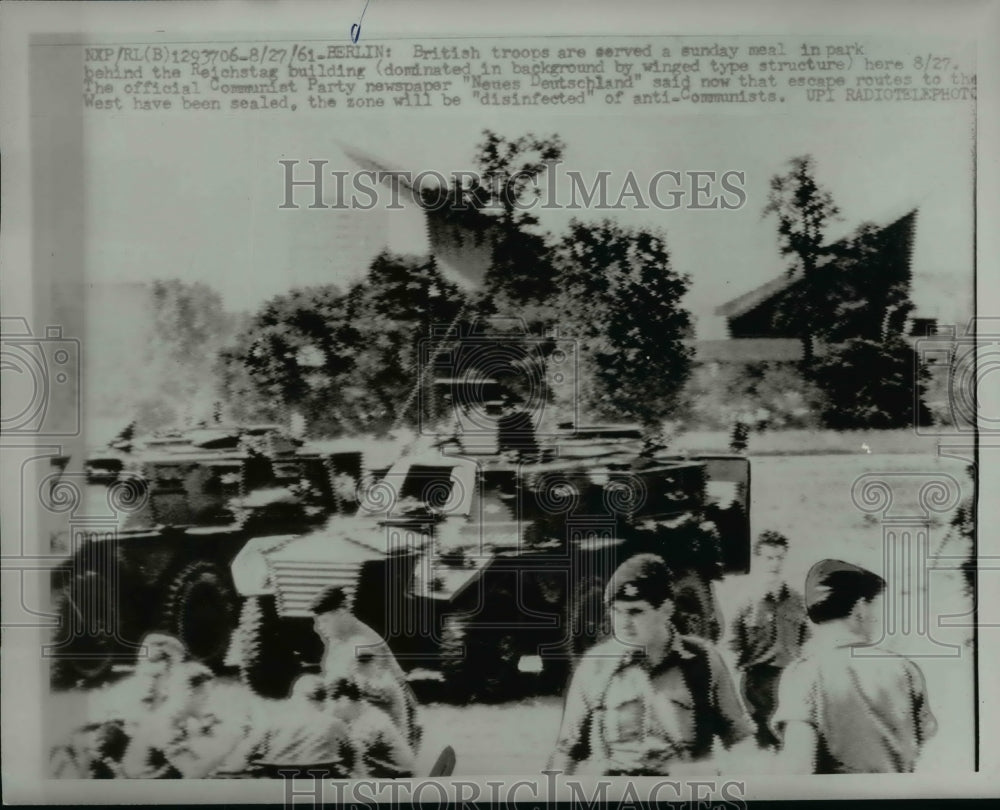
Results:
x,y
808,498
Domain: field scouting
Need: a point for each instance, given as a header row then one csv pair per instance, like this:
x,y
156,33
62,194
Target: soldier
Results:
x,y
130,743
767,635
261,738
381,750
354,651
304,737
165,750
846,713
648,701
93,751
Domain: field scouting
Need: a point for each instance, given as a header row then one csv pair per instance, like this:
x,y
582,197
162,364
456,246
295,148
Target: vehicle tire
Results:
x,y
479,664
200,609
79,658
267,662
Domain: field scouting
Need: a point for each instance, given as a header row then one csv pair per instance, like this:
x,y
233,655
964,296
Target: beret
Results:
x,y
642,578
329,599
836,578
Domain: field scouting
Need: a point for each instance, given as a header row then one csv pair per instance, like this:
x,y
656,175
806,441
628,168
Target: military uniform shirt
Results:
x,y
770,630
618,704
382,680
869,712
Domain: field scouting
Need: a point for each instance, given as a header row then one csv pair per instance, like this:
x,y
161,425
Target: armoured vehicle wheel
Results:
x,y
268,664
200,610
80,657
479,663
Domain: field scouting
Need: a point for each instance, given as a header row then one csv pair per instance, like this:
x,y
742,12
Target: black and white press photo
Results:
x,y
397,402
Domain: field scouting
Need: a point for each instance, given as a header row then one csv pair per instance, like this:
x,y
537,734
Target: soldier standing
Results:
x,y
648,701
847,713
767,635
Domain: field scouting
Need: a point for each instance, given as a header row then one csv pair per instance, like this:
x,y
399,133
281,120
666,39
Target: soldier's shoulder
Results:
x,y
802,676
360,630
602,656
602,650
698,646
794,596
903,665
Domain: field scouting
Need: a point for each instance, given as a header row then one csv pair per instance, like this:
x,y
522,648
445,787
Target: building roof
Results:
x,y
749,301
462,246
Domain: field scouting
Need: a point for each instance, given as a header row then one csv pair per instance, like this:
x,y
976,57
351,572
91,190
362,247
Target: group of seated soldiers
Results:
x,y
355,719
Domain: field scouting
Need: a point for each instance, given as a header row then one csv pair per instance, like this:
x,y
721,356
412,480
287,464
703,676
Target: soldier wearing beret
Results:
x,y
648,701
844,712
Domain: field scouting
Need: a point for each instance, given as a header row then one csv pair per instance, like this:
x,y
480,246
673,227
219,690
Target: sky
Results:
x,y
176,196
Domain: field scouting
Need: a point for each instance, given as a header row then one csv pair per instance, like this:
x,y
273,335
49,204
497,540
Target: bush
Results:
x,y
764,395
871,384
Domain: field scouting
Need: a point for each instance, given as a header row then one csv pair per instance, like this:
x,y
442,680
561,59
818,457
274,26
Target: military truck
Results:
x,y
188,502
483,567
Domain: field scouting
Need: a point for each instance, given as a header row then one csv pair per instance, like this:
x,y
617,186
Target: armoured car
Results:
x,y
484,567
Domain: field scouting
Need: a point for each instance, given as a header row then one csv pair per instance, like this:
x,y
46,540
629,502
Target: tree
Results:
x,y
872,384
400,302
621,301
803,209
188,328
347,361
494,202
295,350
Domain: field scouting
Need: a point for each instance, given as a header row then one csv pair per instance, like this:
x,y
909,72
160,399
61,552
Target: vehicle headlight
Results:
x,y
250,571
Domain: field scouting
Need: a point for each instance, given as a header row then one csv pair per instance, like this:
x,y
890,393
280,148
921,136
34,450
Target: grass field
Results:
x,y
808,498
811,442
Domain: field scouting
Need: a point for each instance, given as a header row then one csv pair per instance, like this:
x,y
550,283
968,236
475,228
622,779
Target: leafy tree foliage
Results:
x,y
620,299
495,201
852,296
871,384
803,209
177,381
347,361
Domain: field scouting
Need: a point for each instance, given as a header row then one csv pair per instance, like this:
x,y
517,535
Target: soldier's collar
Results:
x,y
779,593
